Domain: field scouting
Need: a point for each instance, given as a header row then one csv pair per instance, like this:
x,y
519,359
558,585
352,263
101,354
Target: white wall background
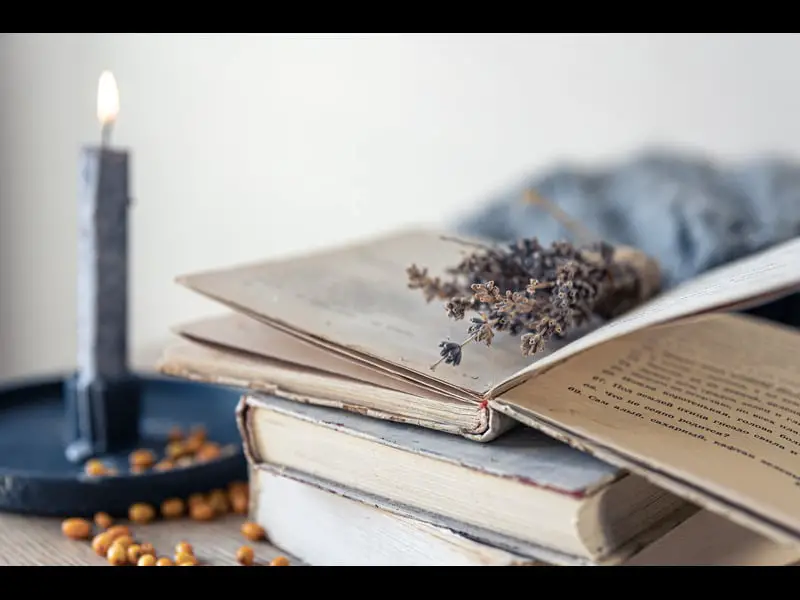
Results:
x,y
255,145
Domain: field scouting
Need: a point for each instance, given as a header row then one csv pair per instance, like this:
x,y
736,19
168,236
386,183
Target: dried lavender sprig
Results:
x,y
507,287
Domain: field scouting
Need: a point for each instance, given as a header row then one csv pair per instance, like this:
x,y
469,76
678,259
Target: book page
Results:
x,y
244,334
751,281
356,300
708,407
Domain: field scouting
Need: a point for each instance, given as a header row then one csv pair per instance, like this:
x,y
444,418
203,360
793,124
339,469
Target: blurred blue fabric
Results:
x,y
689,212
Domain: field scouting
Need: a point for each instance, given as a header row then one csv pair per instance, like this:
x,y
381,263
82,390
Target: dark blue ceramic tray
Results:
x,y
36,477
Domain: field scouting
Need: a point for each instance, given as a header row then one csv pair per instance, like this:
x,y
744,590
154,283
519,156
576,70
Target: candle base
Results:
x,y
37,479
101,417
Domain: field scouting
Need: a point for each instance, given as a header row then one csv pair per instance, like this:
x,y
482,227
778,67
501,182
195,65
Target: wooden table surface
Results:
x,y
34,541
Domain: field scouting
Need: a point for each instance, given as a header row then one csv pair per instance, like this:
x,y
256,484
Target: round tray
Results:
x,y
36,477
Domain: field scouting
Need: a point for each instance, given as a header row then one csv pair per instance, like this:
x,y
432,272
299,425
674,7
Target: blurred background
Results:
x,y
248,146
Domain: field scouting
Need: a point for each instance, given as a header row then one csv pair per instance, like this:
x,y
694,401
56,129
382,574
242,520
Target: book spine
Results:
x,y
243,422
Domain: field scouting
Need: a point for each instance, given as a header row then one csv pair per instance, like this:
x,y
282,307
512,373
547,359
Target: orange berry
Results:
x,y
202,512
103,520
95,468
101,543
116,531
279,561
245,556
172,508
141,513
142,458
76,529
253,531
117,555
146,560
134,553
184,548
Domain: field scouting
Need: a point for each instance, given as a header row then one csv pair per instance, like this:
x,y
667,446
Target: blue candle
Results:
x,y
106,406
103,250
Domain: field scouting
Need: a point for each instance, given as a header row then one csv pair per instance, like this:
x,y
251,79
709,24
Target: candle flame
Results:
x,y
107,98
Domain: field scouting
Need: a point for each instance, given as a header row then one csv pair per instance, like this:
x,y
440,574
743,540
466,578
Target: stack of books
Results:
x,y
670,435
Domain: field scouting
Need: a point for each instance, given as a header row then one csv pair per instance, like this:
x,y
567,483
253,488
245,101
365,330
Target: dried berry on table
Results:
x,y
143,458
202,511
182,559
536,292
141,513
208,451
95,468
245,556
253,531
184,548
76,529
102,542
147,548
173,508
125,541
117,555
116,531
146,560
134,553
103,520
279,561
218,500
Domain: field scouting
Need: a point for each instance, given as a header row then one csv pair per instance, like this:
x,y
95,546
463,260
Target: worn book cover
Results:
x,y
525,488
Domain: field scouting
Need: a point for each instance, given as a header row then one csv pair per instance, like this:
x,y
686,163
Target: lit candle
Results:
x,y
105,402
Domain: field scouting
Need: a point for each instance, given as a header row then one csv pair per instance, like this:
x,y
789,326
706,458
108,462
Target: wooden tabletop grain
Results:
x,y
34,541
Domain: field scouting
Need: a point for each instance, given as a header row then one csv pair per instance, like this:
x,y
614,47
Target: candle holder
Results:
x,y
43,444
50,429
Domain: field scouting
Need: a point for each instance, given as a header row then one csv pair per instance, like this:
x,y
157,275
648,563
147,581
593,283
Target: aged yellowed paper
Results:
x,y
711,402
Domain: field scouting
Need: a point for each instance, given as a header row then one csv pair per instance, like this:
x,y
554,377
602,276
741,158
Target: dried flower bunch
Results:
x,y
537,292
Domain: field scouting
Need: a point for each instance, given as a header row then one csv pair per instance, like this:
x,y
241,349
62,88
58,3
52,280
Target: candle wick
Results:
x,y
105,135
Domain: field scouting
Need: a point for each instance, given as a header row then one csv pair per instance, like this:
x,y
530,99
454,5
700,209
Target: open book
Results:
x,y
707,405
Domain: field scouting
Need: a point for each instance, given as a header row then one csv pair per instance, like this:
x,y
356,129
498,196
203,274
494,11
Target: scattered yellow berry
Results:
x,y
253,531
164,465
245,556
239,503
182,557
147,548
101,543
95,468
184,548
202,512
117,555
208,451
196,499
116,531
164,562
76,529
141,513
218,500
134,553
125,541
146,560
175,450
172,508
103,520
279,561
142,458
